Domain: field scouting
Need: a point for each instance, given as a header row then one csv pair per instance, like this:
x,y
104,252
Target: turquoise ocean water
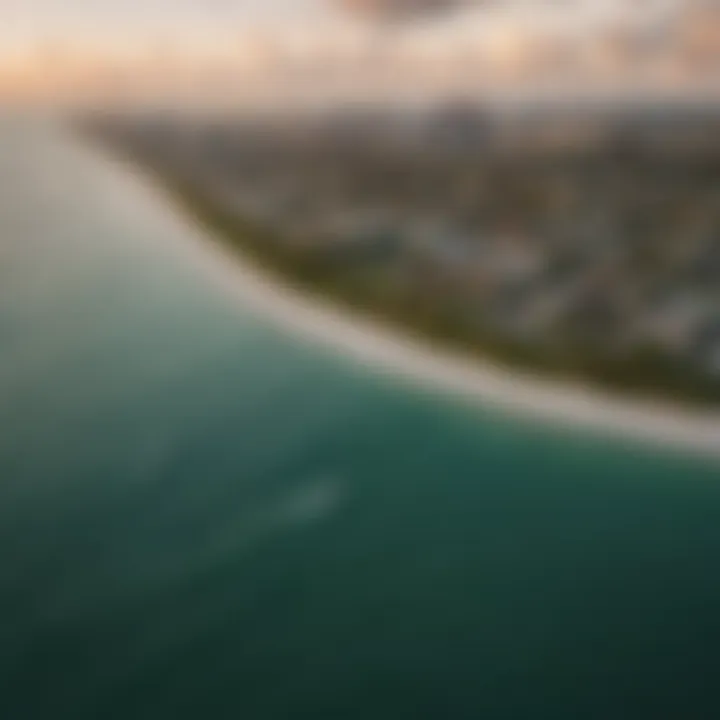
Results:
x,y
203,517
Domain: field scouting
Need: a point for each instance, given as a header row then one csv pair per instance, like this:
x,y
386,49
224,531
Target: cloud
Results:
x,y
389,10
410,9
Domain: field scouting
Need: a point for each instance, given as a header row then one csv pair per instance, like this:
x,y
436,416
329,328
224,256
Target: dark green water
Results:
x,y
201,517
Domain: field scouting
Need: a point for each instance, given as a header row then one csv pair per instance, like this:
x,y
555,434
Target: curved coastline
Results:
x,y
411,358
391,350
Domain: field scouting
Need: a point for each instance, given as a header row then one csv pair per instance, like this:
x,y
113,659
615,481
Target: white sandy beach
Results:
x,y
390,350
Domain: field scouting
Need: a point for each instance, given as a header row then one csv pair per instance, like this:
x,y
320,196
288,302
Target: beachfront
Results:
x,y
411,358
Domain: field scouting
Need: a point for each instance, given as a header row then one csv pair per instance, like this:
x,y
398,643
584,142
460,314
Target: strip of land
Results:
x,y
388,348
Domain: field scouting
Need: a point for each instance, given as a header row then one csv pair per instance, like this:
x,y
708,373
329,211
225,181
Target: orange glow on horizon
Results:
x,y
429,57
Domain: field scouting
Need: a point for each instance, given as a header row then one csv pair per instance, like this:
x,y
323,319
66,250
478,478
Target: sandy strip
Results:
x,y
390,350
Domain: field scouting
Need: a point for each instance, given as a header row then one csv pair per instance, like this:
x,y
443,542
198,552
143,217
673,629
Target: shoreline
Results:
x,y
411,358
391,352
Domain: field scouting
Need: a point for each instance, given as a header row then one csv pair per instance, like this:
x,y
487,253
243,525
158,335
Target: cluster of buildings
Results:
x,y
598,248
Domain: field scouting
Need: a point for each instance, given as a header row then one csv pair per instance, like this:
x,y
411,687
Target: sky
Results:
x,y
45,42
27,23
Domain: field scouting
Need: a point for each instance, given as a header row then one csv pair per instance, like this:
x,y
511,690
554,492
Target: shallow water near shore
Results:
x,y
204,516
